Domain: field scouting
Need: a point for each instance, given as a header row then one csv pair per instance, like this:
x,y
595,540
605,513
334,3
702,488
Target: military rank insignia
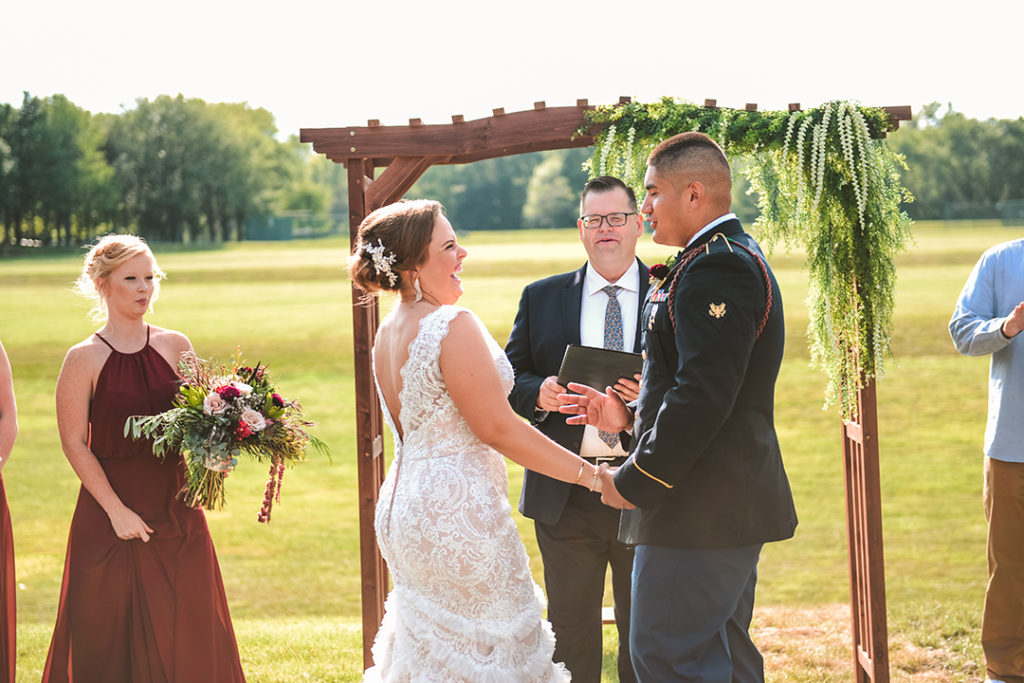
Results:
x,y
716,310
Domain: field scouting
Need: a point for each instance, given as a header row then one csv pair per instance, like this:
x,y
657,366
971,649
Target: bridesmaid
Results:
x,y
142,598
8,430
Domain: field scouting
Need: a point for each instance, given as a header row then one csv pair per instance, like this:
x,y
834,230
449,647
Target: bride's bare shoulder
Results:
x,y
465,322
466,334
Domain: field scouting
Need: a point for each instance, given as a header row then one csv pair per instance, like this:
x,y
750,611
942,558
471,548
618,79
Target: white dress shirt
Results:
x,y
592,312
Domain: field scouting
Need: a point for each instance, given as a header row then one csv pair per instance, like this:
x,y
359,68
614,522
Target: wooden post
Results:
x,y
364,196
864,536
369,426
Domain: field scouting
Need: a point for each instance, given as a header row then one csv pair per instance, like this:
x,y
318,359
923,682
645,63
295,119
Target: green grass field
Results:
x,y
293,587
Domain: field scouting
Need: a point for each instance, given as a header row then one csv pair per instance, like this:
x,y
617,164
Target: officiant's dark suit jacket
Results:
x,y
705,469
549,320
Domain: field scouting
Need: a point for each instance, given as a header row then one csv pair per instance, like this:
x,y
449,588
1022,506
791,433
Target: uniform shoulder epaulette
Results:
x,y
719,242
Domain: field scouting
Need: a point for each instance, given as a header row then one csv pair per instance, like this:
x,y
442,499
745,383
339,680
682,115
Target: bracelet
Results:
x,y
597,475
583,463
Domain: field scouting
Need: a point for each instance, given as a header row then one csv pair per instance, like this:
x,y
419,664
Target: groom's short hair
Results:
x,y
694,152
607,183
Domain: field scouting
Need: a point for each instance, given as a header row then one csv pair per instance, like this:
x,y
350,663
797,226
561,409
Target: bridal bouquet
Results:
x,y
219,414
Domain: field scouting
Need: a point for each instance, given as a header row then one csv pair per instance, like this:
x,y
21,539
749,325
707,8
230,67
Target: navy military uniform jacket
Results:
x,y
548,320
705,469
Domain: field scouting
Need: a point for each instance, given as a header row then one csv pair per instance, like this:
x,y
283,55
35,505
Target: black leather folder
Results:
x,y
597,367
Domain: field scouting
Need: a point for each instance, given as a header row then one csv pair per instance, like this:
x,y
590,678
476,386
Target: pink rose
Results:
x,y
213,404
253,420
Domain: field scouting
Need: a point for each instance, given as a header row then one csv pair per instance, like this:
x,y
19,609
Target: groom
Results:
x,y
576,533
705,471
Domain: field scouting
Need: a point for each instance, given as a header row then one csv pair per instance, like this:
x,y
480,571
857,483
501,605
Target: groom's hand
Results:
x,y
609,494
590,407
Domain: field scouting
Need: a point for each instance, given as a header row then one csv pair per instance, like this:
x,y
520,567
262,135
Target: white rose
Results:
x,y
242,387
213,404
254,420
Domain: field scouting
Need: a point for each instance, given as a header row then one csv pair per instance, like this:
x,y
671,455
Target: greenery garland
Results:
x,y
826,181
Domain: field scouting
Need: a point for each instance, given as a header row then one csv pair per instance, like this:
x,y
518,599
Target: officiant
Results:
x,y
597,305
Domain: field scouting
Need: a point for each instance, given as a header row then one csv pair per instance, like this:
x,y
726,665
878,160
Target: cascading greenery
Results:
x,y
826,181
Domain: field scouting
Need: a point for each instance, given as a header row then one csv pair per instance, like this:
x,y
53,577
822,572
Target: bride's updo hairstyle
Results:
x,y
109,252
392,239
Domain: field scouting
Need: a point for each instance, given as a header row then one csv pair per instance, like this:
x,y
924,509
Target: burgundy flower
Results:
x,y
659,270
228,392
277,400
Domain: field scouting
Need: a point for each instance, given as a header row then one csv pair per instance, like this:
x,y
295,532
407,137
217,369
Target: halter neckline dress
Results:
x,y
132,610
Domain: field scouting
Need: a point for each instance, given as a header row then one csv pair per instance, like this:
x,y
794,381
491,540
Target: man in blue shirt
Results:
x,y
989,317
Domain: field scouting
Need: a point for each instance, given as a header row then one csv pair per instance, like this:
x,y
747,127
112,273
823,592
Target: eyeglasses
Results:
x,y
615,220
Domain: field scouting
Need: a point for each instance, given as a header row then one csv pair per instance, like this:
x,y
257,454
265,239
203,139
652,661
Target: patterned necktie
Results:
x,y
612,340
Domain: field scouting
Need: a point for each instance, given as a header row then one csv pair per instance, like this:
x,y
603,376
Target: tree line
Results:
x,y
170,169
184,170
959,167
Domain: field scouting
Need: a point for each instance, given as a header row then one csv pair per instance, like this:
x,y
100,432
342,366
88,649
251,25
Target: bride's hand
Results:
x,y
609,494
589,406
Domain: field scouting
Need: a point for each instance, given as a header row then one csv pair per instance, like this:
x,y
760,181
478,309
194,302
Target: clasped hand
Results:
x,y
606,411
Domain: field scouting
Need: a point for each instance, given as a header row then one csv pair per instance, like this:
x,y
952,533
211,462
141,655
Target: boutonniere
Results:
x,y
660,271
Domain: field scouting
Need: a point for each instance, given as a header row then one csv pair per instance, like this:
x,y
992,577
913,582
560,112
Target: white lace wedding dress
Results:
x,y
464,605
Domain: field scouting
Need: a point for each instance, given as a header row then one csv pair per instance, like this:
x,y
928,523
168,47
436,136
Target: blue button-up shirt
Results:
x,y
994,289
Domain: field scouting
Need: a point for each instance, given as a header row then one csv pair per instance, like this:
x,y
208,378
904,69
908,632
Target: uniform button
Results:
x,y
643,355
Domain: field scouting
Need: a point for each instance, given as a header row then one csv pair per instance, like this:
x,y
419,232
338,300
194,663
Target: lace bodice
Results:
x,y
428,415
464,607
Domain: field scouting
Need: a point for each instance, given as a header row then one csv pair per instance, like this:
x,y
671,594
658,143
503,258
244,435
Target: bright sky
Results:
x,y
324,63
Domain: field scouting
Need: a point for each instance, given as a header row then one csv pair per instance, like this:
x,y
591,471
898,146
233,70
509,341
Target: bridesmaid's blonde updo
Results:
x,y
392,239
109,252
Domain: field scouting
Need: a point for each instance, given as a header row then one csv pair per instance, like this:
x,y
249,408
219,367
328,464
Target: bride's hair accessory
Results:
x,y
416,288
381,261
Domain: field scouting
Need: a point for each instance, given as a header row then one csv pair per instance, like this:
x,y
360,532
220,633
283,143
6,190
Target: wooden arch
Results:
x,y
406,152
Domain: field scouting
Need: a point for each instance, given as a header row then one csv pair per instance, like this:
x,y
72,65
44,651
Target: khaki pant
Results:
x,y
1002,625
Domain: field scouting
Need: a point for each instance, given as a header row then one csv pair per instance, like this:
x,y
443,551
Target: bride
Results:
x,y
464,605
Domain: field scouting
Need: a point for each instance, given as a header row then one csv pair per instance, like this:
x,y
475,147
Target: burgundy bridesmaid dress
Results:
x,y
8,620
132,611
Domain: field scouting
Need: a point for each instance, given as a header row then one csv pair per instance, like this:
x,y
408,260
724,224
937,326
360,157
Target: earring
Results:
x,y
416,288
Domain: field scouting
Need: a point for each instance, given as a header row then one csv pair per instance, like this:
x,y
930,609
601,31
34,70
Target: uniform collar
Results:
x,y
707,228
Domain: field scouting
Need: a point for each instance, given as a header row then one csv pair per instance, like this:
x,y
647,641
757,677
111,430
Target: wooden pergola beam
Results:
x,y
461,142
396,179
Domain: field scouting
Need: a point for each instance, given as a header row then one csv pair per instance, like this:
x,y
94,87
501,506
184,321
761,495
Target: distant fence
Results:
x,y
1009,211
295,225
